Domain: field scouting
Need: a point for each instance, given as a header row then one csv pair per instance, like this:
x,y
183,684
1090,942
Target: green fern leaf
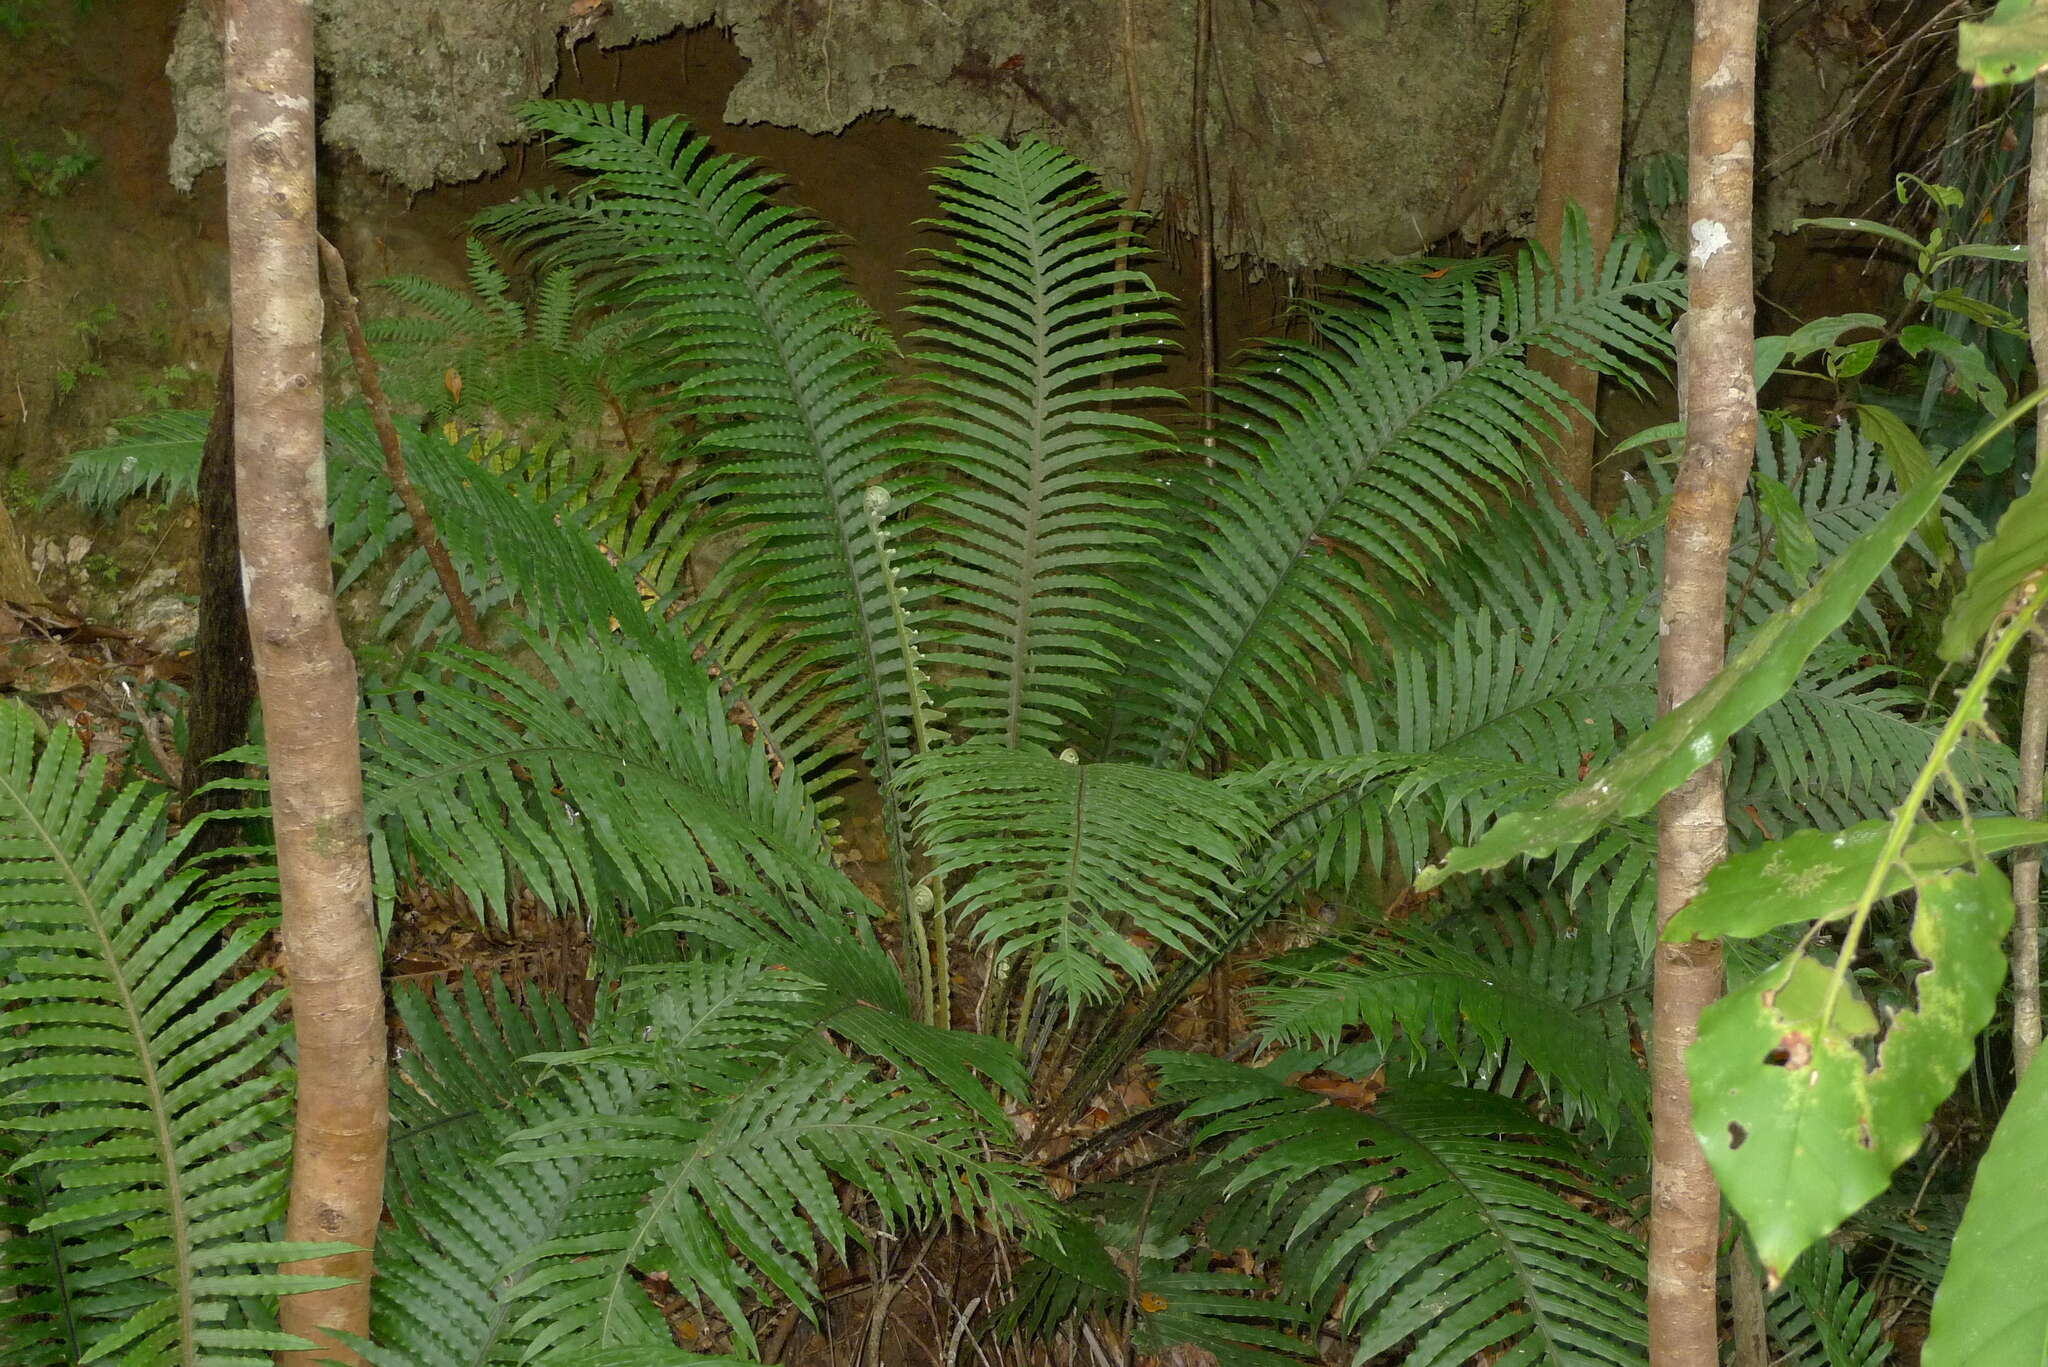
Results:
x,y
145,1069
1045,515
1441,1212
750,303
1064,862
1346,469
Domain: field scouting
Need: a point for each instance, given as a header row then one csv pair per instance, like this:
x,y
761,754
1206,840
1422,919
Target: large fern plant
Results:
x,y
1135,713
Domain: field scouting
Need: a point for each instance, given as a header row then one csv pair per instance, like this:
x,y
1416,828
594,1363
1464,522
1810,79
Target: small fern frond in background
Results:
x,y
145,1065
155,455
1045,512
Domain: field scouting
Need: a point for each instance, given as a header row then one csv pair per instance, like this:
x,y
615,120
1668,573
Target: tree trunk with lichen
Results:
x,y
1581,165
305,675
1719,399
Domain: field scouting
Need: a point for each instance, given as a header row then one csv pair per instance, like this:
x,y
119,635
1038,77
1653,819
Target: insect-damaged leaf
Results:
x,y
1799,1128
1818,875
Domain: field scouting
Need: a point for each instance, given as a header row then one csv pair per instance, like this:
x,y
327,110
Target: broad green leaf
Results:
x,y
2014,553
1862,225
1847,362
1818,875
1691,735
1973,373
1991,251
2009,46
1980,311
1773,352
1992,1309
1910,464
1799,1129
1792,537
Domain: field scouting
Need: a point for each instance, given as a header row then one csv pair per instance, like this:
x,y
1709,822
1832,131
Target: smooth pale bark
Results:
x,y
1719,397
1582,165
2026,869
305,675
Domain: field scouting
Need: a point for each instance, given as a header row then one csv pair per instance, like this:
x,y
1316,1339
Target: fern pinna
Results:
x,y
1129,706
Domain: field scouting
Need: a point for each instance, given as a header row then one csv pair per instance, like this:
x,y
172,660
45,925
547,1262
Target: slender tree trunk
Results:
x,y
1582,165
304,672
223,679
2026,869
1719,392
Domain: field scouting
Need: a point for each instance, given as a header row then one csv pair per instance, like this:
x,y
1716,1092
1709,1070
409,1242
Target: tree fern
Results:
x,y
145,1066
1043,505
770,347
1347,466
1442,1213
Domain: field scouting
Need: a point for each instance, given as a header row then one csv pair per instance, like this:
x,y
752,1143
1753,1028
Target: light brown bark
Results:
x,y
1582,165
2026,868
1719,393
305,675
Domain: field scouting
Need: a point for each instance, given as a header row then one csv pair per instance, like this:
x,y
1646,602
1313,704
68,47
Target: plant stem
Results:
x,y
2026,868
1968,712
423,529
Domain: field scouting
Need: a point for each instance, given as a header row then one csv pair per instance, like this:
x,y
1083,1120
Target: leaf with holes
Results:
x,y
1818,875
1799,1128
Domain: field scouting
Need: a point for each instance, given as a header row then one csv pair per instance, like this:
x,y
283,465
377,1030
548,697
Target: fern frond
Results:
x,y
155,455
750,304
146,1067
730,1188
1822,1317
1045,513
1065,861
1554,995
1346,469
466,1227
1442,1214
604,779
